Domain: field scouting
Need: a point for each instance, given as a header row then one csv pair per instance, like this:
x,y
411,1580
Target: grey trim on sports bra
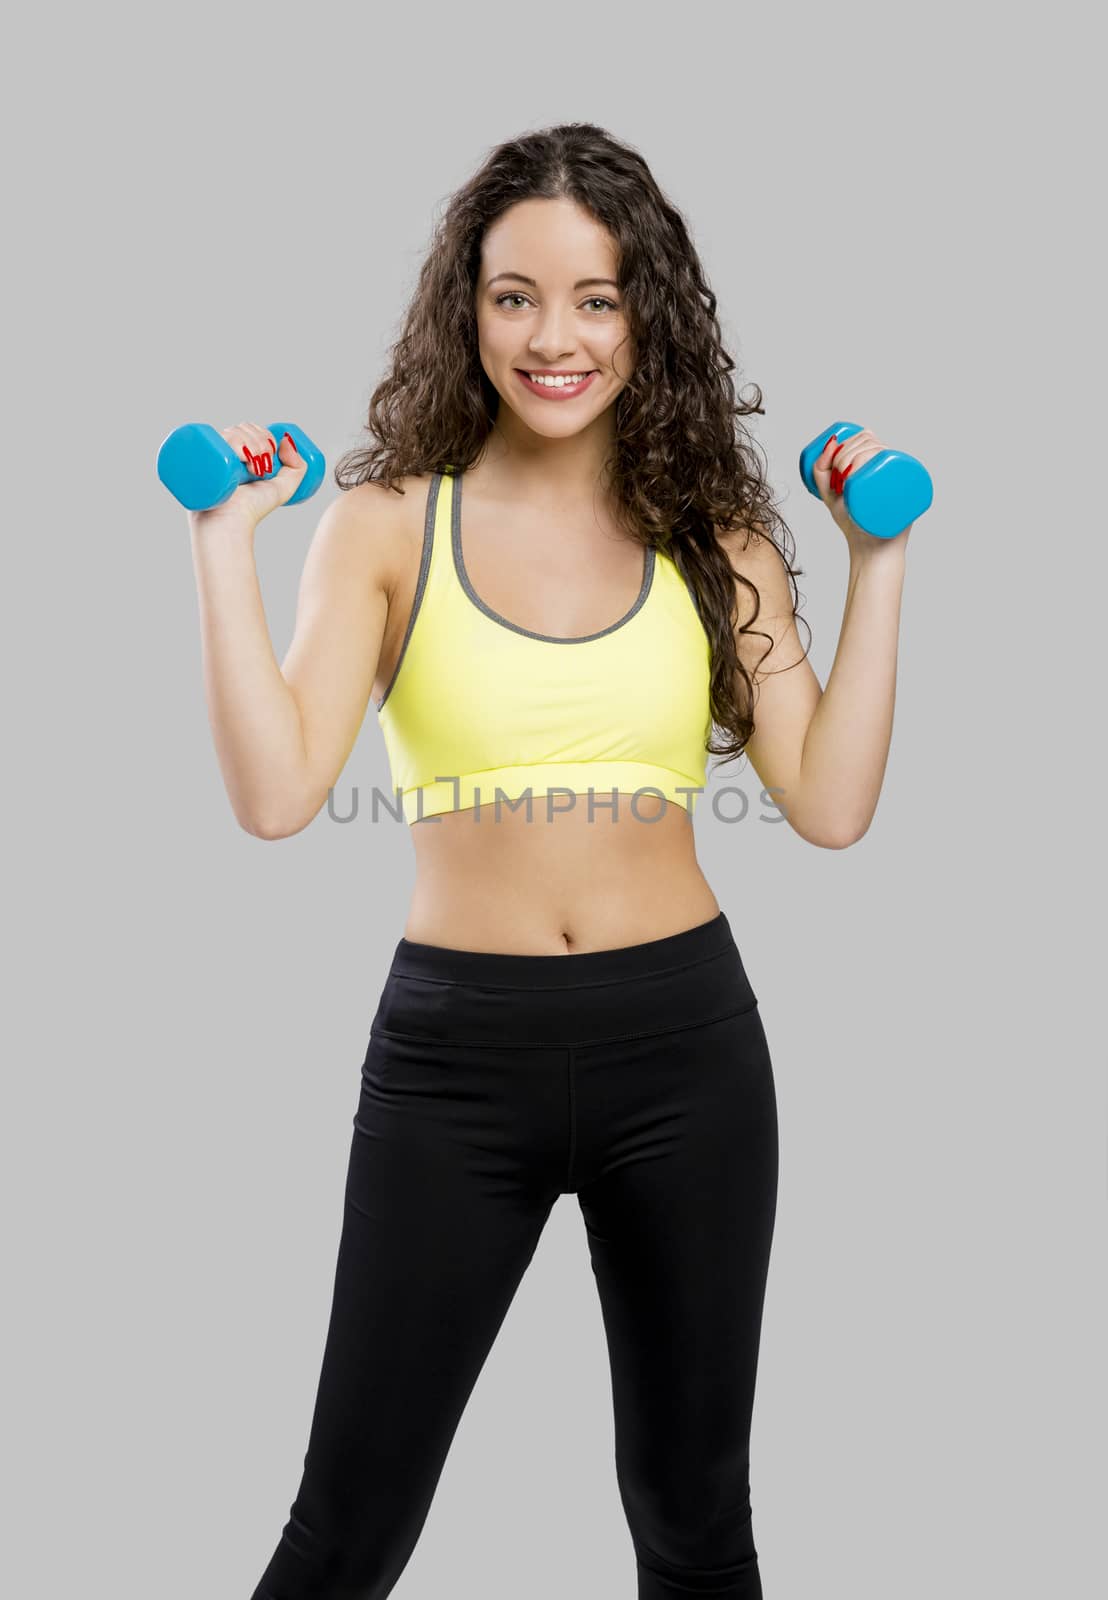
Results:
x,y
459,567
421,581
463,577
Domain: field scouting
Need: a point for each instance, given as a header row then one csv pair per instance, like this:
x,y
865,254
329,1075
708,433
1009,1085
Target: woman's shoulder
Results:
x,y
754,555
378,499
390,521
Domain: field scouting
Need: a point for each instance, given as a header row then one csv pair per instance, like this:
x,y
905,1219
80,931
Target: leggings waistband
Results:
x,y
492,997
413,960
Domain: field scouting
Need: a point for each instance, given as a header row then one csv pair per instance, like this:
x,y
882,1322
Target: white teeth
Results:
x,y
559,382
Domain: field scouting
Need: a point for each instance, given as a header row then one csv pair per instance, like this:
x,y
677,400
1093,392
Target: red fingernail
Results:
x,y
288,436
246,452
849,470
832,439
272,442
836,481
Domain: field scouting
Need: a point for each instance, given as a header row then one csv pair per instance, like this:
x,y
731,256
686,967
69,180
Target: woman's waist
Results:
x,y
549,921
566,885
648,985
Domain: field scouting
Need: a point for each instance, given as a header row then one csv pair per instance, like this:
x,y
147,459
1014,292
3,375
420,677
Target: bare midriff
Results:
x,y
557,883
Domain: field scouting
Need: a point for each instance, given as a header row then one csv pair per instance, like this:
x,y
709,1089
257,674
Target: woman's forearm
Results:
x,y
254,717
847,743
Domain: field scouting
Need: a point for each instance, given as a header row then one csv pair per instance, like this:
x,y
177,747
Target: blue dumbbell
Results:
x,y
882,496
201,470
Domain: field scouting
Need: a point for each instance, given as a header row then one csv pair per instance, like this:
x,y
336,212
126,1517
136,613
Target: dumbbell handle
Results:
x,y
884,495
201,470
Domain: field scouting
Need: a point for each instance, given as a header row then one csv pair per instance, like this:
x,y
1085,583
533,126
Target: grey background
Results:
x,y
219,214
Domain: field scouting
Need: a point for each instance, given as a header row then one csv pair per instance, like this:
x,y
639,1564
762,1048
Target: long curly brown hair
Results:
x,y
682,466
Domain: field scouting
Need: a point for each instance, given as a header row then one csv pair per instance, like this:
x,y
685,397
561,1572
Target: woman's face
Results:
x,y
547,300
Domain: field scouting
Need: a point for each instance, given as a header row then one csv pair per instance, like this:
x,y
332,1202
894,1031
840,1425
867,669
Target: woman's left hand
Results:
x,y
830,470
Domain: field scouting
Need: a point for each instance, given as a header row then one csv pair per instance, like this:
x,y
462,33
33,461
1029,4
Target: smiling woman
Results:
x,y
567,1011
590,270
555,339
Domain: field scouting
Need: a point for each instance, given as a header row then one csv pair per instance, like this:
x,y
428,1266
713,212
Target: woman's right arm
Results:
x,y
283,732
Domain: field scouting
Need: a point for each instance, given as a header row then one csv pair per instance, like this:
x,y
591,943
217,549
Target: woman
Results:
x,y
551,590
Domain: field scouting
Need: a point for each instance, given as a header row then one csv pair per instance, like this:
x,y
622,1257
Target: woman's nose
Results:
x,y
554,338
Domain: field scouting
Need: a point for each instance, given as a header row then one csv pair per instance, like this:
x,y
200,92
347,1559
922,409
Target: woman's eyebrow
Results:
x,y
582,283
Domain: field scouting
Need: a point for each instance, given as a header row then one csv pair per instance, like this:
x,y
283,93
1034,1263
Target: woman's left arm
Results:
x,y
821,754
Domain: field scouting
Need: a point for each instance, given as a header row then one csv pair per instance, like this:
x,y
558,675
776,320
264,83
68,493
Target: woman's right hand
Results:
x,y
250,502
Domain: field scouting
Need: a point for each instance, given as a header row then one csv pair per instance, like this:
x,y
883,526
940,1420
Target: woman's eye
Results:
x,y
593,300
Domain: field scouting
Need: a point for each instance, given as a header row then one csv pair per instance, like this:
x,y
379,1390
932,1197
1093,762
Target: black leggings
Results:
x,y
636,1078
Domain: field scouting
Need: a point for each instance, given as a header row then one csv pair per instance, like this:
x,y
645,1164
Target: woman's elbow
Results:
x,y
826,837
273,825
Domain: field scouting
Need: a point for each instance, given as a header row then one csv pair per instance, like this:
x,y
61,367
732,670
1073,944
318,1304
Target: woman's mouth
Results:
x,y
548,389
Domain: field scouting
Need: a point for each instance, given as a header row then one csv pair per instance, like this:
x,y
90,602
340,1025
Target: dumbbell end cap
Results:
x,y
889,493
197,466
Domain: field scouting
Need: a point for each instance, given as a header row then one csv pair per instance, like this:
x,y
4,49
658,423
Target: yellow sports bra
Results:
x,y
482,712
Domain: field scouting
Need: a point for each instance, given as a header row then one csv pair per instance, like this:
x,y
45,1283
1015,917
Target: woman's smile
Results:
x,y
556,387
